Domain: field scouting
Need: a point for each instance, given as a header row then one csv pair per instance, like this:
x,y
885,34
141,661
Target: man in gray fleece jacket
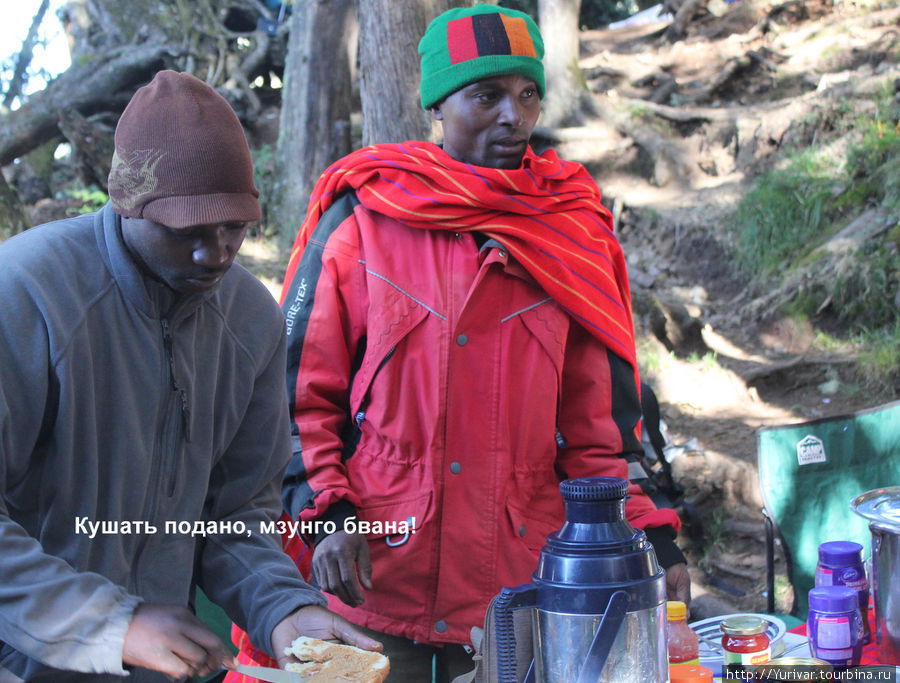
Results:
x,y
143,419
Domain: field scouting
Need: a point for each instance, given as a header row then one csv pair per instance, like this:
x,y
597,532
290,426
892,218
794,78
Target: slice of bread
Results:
x,y
324,662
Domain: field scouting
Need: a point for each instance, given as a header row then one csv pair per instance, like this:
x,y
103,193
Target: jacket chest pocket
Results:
x,y
532,369
546,324
389,325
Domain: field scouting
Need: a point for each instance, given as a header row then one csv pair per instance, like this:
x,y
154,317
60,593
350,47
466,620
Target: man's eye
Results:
x,y
235,226
486,96
530,92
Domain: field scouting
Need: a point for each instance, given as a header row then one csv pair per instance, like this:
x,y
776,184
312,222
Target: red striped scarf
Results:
x,y
546,213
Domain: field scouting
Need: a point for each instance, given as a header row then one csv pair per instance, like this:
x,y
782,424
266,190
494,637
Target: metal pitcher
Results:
x,y
882,508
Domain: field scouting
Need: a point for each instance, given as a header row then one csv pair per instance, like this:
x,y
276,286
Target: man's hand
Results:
x,y
678,583
169,639
316,622
342,567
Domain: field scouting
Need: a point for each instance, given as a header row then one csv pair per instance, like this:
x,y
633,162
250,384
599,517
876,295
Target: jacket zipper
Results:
x,y
360,416
160,457
170,442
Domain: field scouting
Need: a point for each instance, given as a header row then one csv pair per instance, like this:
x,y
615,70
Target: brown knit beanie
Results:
x,y
181,157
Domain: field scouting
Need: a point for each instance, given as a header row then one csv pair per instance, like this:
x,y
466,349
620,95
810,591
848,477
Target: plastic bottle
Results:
x,y
681,641
690,673
840,564
834,625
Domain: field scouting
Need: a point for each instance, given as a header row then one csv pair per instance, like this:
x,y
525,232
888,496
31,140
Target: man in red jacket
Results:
x,y
460,340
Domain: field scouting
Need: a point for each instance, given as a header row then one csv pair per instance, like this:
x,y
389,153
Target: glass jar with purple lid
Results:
x,y
840,564
834,625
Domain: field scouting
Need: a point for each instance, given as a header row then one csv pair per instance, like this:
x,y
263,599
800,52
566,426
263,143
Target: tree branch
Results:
x,y
85,88
25,55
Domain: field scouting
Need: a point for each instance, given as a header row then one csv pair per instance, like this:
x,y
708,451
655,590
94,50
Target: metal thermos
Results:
x,y
598,596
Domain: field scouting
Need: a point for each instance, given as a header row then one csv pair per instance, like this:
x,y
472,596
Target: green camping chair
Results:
x,y
809,473
218,622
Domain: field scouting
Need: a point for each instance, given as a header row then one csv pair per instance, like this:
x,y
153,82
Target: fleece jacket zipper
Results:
x,y
170,443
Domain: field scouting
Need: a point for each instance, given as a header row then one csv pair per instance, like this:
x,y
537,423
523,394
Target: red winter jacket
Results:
x,y
433,381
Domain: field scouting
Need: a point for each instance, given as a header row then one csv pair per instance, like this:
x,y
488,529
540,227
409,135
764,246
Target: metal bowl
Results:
x,y
881,506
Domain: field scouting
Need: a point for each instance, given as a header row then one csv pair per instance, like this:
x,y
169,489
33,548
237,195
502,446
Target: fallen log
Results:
x,y
681,114
92,142
85,88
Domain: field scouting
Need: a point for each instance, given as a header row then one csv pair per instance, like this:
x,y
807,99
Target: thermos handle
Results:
x,y
510,599
604,637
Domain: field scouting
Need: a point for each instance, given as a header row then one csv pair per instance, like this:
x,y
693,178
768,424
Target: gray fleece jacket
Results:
x,y
122,403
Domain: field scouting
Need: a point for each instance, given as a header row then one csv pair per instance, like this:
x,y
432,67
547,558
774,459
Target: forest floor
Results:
x,y
702,117
740,86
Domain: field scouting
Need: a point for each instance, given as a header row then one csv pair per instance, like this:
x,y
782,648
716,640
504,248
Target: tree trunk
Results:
x,y
93,144
566,87
13,219
315,110
389,36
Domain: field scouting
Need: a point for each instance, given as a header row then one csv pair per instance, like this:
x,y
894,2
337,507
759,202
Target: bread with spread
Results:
x,y
324,662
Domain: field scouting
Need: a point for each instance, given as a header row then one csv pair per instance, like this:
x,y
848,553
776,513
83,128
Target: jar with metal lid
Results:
x,y
796,669
745,642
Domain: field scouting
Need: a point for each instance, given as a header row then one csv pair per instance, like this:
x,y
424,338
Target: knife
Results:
x,y
267,673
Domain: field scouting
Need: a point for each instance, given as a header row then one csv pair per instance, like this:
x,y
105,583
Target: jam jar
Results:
x,y
745,642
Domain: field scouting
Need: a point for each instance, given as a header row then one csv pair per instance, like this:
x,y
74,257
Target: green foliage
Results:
x,y
792,209
861,293
786,210
715,532
827,342
594,13
92,199
864,292
598,13
652,357
264,178
873,164
880,359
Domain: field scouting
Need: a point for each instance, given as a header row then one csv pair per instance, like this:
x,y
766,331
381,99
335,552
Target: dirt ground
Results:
x,y
729,98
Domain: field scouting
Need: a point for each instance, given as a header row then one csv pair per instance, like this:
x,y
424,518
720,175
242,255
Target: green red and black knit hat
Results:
x,y
467,44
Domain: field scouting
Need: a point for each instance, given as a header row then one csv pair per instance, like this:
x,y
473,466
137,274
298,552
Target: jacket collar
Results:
x,y
149,297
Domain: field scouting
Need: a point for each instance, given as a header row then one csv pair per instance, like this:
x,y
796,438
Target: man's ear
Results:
x,y
436,113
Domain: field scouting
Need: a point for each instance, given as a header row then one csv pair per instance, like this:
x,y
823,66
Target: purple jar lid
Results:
x,y
833,599
840,553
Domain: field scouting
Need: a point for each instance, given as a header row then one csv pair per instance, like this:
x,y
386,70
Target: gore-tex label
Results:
x,y
810,449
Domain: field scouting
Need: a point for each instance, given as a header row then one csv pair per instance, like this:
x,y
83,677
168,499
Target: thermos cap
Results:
x,y
594,488
840,553
833,599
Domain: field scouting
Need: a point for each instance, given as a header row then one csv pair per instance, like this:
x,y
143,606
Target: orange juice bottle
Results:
x,y
681,641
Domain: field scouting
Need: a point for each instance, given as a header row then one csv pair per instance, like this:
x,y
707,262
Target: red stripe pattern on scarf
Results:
x,y
546,213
